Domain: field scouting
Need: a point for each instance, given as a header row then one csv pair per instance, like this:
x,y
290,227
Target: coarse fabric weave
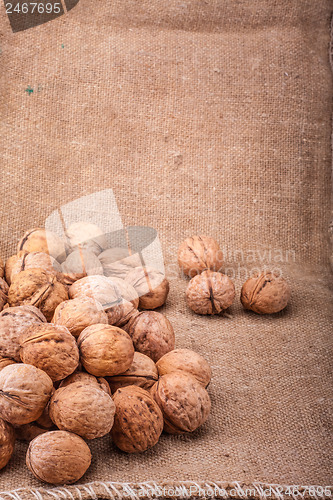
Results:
x,y
204,117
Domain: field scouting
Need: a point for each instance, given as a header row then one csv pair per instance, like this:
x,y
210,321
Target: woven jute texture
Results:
x,y
209,117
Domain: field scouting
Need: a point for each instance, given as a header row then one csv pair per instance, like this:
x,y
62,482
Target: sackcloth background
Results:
x,y
209,117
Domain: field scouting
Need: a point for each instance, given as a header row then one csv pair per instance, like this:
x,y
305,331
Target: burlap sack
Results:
x,y
208,117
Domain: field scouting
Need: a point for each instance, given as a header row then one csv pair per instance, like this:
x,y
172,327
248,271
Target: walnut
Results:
x,y
128,312
10,262
41,240
38,288
265,293
187,361
86,378
51,348
104,291
142,372
210,293
118,262
83,409
24,393
3,293
77,314
27,432
127,291
138,421
82,263
33,260
105,350
58,457
152,334
2,268
86,236
184,402
13,322
5,362
198,253
7,441
151,286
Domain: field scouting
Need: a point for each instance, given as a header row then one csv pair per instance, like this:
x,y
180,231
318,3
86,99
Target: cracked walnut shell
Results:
x,y
210,293
142,373
51,348
58,457
138,421
24,393
186,361
13,322
184,402
41,240
38,288
198,253
152,334
265,293
105,350
83,409
77,314
151,286
7,441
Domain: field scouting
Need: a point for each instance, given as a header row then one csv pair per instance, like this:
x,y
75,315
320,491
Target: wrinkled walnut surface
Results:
x,y
13,322
138,421
24,393
184,402
265,293
51,348
10,262
77,314
5,362
210,293
87,236
40,240
7,441
26,260
151,286
105,350
198,253
152,334
103,291
3,293
58,457
38,288
2,268
82,262
127,291
87,379
117,262
83,409
142,372
187,361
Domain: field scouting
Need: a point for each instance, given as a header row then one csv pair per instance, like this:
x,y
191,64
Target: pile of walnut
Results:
x,y
211,292
82,354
